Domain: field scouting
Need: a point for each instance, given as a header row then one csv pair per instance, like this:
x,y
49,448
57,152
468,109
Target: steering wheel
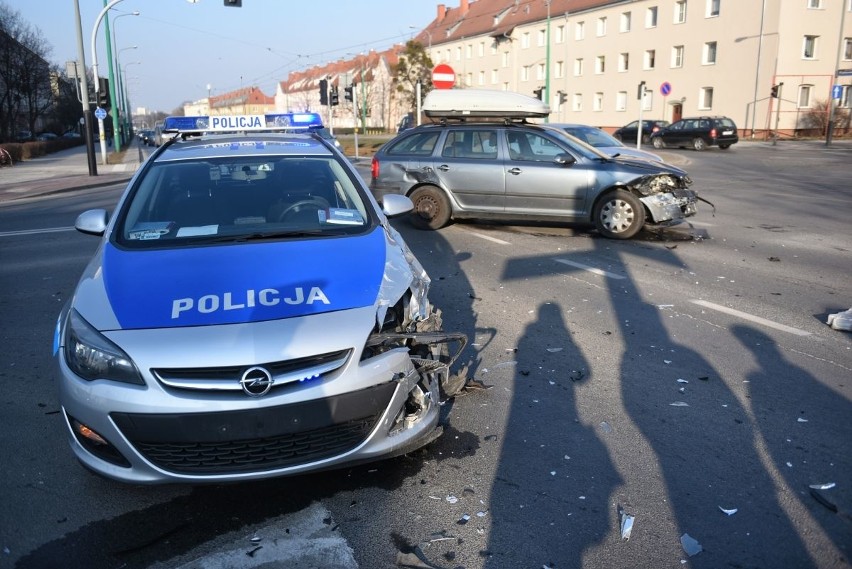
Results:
x,y
315,203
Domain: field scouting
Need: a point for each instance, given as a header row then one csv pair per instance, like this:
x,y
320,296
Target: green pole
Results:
x,y
113,106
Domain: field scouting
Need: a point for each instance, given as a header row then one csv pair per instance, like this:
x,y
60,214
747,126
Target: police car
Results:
x,y
249,313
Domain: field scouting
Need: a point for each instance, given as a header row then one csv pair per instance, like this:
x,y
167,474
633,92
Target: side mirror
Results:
x,y
92,222
395,205
564,159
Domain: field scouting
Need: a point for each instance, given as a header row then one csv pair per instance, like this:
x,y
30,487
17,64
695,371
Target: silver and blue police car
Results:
x,y
249,313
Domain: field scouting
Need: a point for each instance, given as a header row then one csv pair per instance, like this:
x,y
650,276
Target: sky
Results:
x,y
187,49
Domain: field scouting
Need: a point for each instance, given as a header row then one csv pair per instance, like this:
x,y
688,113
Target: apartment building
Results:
x,y
691,57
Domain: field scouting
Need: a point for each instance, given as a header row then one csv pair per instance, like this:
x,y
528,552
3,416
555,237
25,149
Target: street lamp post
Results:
x,y
128,116
121,110
118,69
95,71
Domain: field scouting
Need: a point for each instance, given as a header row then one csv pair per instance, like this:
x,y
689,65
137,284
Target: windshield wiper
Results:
x,y
260,236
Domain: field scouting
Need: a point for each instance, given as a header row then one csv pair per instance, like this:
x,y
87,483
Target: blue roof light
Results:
x,y
239,123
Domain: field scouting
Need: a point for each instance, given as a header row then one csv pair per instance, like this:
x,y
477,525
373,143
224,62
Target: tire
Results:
x,y
432,209
646,138
724,146
699,144
619,215
658,143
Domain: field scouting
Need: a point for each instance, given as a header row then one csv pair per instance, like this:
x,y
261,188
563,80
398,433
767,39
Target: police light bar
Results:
x,y
232,123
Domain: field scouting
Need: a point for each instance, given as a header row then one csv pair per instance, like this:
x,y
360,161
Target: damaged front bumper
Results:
x,y
667,197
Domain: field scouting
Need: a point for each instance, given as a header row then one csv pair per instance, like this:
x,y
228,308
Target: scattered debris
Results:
x,y
626,523
679,404
667,361
728,512
774,259
801,420
841,320
577,375
554,350
251,552
452,499
824,501
605,427
463,520
681,380
690,545
704,378
480,514
826,486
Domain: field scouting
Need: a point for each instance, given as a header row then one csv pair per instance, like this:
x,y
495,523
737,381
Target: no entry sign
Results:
x,y
443,76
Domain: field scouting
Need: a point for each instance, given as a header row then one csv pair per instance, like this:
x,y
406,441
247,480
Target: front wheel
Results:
x,y
699,144
432,209
619,215
658,143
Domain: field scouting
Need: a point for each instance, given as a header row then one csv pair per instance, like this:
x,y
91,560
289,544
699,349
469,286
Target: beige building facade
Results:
x,y
692,57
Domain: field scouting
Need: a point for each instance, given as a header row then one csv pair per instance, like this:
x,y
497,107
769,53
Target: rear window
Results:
x,y
417,144
726,123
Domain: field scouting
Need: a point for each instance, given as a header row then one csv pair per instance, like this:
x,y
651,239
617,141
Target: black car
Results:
x,y
627,133
697,132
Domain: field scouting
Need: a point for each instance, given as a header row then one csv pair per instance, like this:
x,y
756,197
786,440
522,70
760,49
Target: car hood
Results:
x,y
643,167
228,284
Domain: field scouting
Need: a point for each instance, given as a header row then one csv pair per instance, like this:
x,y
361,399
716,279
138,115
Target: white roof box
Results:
x,y
481,103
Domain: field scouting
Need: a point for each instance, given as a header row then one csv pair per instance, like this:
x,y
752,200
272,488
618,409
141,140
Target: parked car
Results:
x,y
627,133
46,136
71,134
482,161
603,141
406,123
697,132
23,136
326,134
282,325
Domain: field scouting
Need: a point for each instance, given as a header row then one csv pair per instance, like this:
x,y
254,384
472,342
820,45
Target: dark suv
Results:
x,y
517,170
697,132
627,133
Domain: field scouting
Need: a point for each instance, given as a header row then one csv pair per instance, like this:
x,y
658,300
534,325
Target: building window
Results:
x,y
677,56
539,71
495,76
680,12
650,58
623,61
625,22
597,104
468,51
847,49
621,101
602,26
600,64
713,7
805,96
494,47
458,53
705,99
482,77
710,53
809,48
505,59
525,40
559,34
468,80
578,67
815,4
481,48
560,70
846,97
525,73
651,17
577,104
579,30
542,37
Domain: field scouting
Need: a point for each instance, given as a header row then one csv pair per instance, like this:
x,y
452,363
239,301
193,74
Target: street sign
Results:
x,y
844,72
443,76
837,91
100,113
666,88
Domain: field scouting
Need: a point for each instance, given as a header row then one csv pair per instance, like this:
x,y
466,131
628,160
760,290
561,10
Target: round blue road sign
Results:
x,y
100,113
666,88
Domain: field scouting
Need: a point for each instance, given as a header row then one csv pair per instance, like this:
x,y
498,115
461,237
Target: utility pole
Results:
x,y
84,87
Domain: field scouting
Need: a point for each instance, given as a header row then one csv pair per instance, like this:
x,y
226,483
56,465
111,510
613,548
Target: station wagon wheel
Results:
x,y
698,143
432,209
658,143
619,215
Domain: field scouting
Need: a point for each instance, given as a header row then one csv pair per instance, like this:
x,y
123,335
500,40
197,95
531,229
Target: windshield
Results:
x,y
580,147
238,198
592,136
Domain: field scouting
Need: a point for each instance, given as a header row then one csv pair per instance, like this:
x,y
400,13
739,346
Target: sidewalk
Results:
x,y
63,171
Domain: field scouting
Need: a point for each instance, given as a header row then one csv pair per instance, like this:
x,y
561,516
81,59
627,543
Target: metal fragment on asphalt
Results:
x,y
826,486
730,512
679,404
690,545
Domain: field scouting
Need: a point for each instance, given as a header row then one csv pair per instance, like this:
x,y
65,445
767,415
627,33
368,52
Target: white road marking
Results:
x,y
751,318
489,238
589,269
35,231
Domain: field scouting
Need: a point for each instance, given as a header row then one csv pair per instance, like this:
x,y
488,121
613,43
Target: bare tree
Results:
x,y
26,83
414,66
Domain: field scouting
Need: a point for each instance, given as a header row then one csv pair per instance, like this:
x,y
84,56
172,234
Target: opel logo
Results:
x,y
256,381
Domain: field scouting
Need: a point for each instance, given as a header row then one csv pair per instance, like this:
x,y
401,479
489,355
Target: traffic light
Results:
x,y
103,92
234,3
640,91
347,93
774,91
323,92
334,98
538,92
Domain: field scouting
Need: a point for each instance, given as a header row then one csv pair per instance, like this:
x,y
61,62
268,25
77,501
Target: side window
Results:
x,y
420,144
475,144
530,146
677,126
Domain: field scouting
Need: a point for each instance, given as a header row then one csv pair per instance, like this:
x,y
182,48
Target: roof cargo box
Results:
x,y
481,103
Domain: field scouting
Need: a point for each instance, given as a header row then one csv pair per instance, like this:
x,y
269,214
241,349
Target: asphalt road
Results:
x,y
669,377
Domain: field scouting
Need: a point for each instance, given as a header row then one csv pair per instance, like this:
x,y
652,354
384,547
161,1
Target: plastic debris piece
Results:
x,y
790,464
728,512
554,350
690,545
452,499
626,522
255,539
824,501
605,427
667,361
553,473
681,380
800,420
682,390
463,520
826,486
480,514
841,320
679,404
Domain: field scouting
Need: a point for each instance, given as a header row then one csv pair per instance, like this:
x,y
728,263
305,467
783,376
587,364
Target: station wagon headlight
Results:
x,y
92,356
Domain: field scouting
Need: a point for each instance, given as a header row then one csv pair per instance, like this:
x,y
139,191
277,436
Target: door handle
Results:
x,y
443,168
515,171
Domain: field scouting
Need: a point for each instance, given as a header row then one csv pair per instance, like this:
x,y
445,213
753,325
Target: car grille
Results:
x,y
256,440
228,378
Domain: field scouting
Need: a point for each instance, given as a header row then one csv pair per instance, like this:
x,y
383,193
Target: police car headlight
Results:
x,y
92,356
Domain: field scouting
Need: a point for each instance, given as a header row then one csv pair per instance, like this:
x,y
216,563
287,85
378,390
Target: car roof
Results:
x,y
244,144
